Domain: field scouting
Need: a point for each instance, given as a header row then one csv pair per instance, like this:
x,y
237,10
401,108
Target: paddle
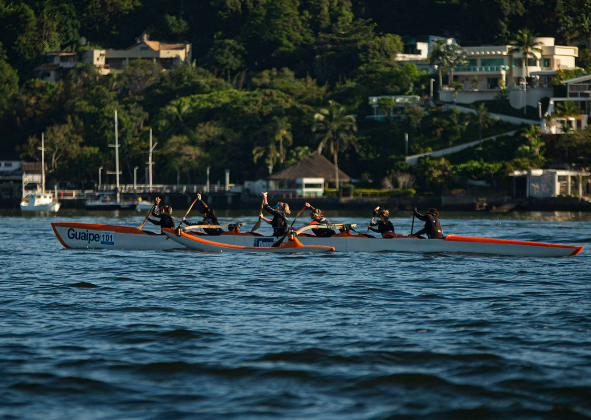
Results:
x,y
147,216
323,226
413,223
258,223
192,227
178,229
280,241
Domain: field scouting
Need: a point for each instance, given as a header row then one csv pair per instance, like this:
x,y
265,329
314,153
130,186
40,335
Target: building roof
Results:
x,y
48,67
161,46
577,79
312,166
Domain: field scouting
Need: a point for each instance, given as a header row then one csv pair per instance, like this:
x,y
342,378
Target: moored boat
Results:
x,y
40,200
103,236
348,242
203,243
108,201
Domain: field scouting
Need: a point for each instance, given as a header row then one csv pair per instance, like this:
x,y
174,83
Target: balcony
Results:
x,y
482,69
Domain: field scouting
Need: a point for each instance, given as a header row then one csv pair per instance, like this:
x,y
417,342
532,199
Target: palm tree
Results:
x,y
437,58
334,128
457,88
526,44
567,110
533,135
282,134
482,118
271,154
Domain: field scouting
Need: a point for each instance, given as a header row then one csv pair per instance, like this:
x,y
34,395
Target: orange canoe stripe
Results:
x,y
510,242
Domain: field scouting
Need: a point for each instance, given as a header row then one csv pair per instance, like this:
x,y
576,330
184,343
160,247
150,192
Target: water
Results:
x,y
100,334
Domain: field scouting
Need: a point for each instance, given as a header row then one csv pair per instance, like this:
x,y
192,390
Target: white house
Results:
x,y
578,90
546,183
492,67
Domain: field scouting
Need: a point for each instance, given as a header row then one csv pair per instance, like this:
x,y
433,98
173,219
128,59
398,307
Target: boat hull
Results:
x,y
40,203
364,243
112,206
101,236
204,244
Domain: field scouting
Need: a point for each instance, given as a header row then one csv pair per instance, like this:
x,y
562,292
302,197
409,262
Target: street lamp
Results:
x,y
540,110
208,168
431,89
100,180
135,178
406,143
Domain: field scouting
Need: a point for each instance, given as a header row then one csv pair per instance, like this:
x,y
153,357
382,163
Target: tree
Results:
x,y
140,74
438,58
282,134
526,44
482,118
455,56
335,128
225,55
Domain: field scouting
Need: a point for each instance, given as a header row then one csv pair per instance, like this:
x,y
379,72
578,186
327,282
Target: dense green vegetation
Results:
x,y
255,96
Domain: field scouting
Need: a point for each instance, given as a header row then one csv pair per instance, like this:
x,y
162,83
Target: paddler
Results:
x,y
383,223
319,219
279,212
163,214
209,218
432,226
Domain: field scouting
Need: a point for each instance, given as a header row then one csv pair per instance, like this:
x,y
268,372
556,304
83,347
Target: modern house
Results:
x,y
416,51
547,183
578,90
493,67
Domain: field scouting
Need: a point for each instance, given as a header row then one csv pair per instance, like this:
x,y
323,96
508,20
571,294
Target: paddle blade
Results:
x,y
256,225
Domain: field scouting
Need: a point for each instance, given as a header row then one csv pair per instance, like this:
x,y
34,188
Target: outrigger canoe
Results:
x,y
348,242
205,244
93,235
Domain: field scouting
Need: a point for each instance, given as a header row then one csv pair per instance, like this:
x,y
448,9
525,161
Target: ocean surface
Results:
x,y
107,334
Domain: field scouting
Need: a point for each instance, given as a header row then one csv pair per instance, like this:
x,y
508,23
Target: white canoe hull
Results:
x,y
362,243
101,236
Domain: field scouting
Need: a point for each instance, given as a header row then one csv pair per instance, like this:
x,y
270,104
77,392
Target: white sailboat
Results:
x,y
40,200
111,200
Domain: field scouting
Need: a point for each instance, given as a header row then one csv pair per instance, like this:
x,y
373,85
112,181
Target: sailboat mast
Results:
x,y
117,157
150,160
42,163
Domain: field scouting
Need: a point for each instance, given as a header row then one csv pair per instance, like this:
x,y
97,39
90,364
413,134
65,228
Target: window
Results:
x,y
492,62
473,62
307,186
492,82
532,61
7,164
546,62
517,62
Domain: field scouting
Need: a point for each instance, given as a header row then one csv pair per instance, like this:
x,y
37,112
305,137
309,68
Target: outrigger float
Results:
x,y
345,241
205,244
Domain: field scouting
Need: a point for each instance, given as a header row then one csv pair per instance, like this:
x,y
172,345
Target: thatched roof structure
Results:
x,y
312,166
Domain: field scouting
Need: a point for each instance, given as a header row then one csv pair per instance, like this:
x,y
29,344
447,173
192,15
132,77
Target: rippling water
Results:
x,y
100,334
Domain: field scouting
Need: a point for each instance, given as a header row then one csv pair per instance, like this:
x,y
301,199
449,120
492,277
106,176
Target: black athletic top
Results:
x,y
165,219
432,226
209,219
279,221
382,227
